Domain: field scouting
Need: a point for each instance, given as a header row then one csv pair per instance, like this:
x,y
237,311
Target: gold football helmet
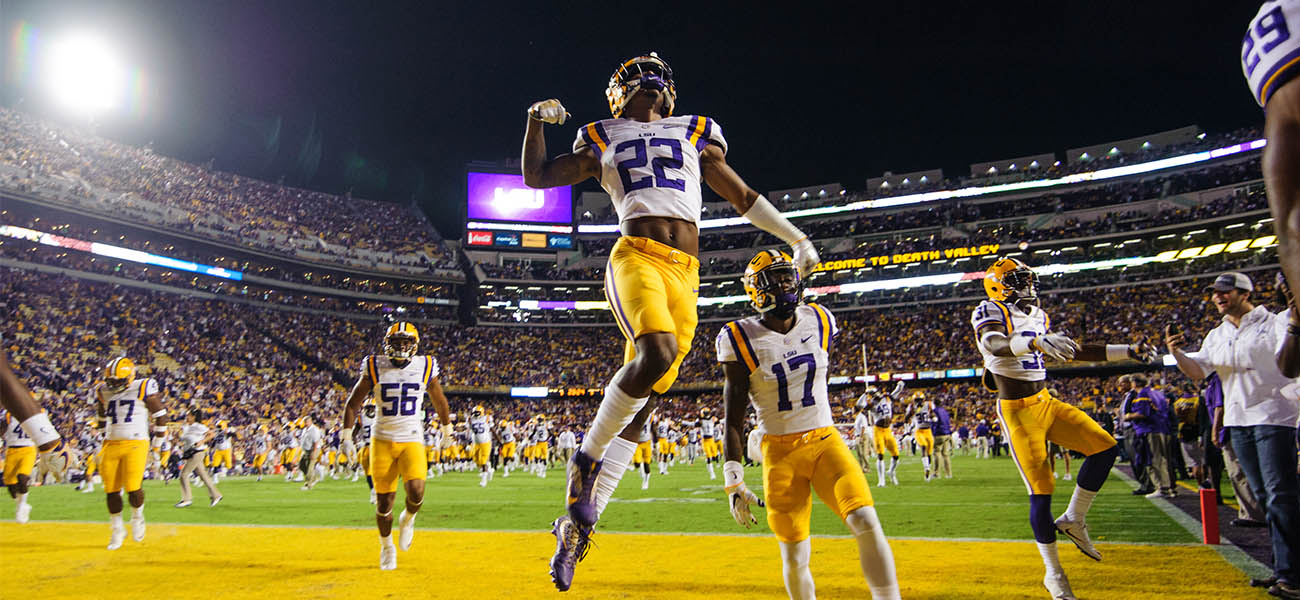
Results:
x,y
401,341
1010,280
119,374
645,71
772,282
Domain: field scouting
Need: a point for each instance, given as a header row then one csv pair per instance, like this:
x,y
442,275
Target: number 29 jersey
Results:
x,y
652,169
1017,322
399,396
1270,50
787,372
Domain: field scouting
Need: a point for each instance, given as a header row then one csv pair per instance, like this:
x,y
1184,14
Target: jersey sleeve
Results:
x,y
1270,50
827,329
592,135
988,312
368,369
431,369
733,345
702,131
150,386
726,346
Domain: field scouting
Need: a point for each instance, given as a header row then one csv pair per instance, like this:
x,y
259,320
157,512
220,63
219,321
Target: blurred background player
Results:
x,y
261,445
778,362
1014,336
124,406
223,451
194,440
644,453
882,436
400,381
919,413
20,458
663,450
509,447
480,426
653,273
711,445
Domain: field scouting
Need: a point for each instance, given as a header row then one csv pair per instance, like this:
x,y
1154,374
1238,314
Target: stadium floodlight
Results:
x,y
85,74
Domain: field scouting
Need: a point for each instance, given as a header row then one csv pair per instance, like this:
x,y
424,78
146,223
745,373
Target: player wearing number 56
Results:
x,y
1015,336
651,162
778,361
400,381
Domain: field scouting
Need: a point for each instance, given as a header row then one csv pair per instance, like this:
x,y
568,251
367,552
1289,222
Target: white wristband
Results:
x,y
1117,352
765,216
162,412
40,429
1020,345
732,473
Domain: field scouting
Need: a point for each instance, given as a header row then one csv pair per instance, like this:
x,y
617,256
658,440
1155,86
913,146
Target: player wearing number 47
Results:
x,y
400,381
1014,335
778,361
651,163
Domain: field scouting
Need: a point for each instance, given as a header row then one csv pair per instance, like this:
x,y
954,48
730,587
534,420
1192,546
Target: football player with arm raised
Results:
x,y
400,381
1015,336
778,361
652,164
17,400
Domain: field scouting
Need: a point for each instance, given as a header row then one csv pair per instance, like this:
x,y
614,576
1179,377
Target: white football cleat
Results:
x,y
893,478
1059,587
1078,533
1067,477
387,556
119,536
137,528
880,483
215,501
405,530
372,496
23,513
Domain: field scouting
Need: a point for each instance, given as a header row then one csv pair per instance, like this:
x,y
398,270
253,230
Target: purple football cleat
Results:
x,y
582,489
571,545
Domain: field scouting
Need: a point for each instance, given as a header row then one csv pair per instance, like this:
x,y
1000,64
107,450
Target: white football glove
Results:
x,y
739,496
1056,346
549,111
805,257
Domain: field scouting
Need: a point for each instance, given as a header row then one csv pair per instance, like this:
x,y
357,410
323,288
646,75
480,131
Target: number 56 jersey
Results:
x,y
787,372
399,396
1017,322
1270,50
652,169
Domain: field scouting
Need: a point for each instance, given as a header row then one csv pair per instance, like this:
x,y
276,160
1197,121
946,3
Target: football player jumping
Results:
x,y
400,381
778,361
651,163
1014,336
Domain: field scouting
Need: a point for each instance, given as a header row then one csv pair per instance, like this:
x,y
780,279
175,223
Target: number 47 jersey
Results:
x,y
787,372
652,169
399,396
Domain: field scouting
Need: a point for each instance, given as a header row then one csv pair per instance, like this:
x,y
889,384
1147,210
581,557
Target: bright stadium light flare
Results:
x,y
85,74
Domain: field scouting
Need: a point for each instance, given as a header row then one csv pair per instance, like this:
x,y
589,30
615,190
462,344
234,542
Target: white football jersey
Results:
x,y
921,415
645,433
367,428
1271,47
787,372
707,427
883,412
508,434
652,169
128,417
663,428
542,433
15,437
1032,324
399,396
482,429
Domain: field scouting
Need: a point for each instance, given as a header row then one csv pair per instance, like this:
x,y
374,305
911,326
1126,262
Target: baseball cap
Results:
x,y
1231,281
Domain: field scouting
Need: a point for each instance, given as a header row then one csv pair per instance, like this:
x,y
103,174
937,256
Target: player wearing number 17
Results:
x,y
778,361
124,406
651,163
400,381
1014,336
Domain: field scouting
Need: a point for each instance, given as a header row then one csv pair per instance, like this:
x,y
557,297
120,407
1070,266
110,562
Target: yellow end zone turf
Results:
x,y
68,560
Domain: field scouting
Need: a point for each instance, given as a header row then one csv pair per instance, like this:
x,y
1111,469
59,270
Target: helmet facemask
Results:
x,y
780,290
117,384
400,347
1022,286
643,72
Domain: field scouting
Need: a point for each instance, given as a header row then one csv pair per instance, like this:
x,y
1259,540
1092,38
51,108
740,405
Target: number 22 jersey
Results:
x,y
787,371
399,396
652,169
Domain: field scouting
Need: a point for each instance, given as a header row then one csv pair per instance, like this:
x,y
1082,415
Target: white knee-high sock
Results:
x,y
795,557
893,464
925,463
874,553
617,458
615,412
1051,558
880,468
1080,502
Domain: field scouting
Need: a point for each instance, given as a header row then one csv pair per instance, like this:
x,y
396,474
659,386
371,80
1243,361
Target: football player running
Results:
x,y
1015,336
919,412
127,404
400,381
480,425
651,163
882,436
778,361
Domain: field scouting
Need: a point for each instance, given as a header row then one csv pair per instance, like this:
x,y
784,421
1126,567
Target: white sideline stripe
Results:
x,y
1225,548
618,533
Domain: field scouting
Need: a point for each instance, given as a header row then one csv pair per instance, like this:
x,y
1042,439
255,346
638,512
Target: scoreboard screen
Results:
x,y
504,197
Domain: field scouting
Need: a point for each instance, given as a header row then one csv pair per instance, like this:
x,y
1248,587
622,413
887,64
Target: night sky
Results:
x,y
392,101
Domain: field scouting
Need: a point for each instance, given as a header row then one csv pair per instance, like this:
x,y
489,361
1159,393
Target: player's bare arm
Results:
x,y
565,169
735,399
1282,174
360,390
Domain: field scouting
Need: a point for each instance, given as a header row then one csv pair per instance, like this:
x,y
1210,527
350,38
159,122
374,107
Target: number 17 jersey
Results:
x,y
399,396
787,371
652,169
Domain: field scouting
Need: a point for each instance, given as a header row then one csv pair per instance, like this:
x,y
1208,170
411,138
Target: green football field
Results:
x,y
985,500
